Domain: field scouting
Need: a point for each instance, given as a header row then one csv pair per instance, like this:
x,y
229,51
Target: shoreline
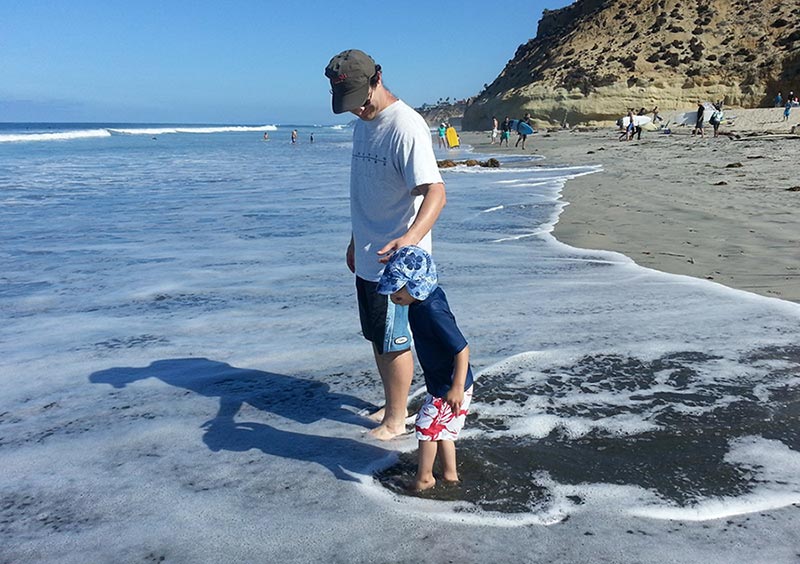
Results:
x,y
719,209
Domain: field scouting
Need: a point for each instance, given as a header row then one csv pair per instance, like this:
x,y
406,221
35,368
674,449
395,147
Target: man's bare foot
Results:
x,y
386,433
420,485
379,415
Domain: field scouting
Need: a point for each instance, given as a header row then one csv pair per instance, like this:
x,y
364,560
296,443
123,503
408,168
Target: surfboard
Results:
x,y
521,127
690,118
637,120
452,137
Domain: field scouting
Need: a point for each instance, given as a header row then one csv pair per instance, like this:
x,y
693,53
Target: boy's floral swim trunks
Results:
x,y
436,421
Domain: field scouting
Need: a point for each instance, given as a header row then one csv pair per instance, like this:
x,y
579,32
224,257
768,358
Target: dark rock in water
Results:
x,y
793,189
734,165
721,183
491,163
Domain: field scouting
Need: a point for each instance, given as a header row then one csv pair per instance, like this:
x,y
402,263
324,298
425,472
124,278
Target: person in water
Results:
x,y
396,196
409,279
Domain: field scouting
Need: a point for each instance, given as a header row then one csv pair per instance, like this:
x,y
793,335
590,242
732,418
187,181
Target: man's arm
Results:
x,y
433,200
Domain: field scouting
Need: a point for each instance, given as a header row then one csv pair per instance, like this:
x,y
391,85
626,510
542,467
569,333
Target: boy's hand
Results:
x,y
454,398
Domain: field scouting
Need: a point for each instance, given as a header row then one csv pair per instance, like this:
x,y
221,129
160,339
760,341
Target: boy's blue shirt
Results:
x,y
437,340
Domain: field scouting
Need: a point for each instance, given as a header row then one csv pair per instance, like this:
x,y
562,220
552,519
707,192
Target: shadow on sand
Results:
x,y
302,401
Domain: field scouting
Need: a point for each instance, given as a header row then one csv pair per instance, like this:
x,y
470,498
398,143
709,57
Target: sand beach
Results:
x,y
722,209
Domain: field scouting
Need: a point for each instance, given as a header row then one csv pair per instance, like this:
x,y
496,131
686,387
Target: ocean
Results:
x,y
183,378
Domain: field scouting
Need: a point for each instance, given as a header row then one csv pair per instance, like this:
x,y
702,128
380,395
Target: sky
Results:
x,y
244,62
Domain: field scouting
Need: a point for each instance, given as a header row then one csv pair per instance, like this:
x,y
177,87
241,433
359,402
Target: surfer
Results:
x,y
656,116
698,125
409,279
627,133
396,196
638,128
522,135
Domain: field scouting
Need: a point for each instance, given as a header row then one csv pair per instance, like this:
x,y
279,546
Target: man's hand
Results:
x,y
350,257
394,245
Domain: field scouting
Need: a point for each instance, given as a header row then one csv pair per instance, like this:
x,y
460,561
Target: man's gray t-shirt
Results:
x,y
392,155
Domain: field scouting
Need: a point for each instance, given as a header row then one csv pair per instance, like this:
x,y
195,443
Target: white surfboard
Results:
x,y
637,120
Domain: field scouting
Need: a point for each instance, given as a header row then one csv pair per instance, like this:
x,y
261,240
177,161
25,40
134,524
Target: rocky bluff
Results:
x,y
592,60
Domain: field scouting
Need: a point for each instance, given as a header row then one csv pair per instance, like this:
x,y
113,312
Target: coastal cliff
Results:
x,y
592,60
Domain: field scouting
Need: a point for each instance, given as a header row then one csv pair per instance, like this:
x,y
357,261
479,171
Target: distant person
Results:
x,y
505,131
656,116
409,279
627,133
698,124
311,138
779,100
787,110
638,127
294,136
523,136
442,133
266,136
495,130
396,196
716,118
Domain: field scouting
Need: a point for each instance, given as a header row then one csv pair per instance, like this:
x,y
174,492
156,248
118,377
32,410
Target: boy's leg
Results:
x,y
447,454
397,372
427,455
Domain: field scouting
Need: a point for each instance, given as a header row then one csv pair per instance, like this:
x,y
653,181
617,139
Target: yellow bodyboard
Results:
x,y
452,137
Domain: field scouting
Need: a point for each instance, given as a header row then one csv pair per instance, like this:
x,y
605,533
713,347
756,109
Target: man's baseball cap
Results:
x,y
413,268
349,73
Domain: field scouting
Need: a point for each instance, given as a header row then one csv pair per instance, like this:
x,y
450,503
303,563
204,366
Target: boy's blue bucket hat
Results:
x,y
411,267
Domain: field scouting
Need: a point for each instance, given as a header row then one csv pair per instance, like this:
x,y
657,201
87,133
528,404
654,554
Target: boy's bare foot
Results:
x,y
451,478
386,433
422,485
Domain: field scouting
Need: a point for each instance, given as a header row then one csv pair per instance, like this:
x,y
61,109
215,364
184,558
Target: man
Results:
x,y
698,125
396,195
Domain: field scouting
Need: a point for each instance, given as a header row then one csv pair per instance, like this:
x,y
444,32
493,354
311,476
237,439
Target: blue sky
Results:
x,y
244,61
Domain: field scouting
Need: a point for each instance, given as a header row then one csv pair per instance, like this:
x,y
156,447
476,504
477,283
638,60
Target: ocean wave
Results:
x,y
59,136
169,130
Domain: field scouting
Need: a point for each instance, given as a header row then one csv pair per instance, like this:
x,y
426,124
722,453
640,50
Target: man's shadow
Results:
x,y
302,401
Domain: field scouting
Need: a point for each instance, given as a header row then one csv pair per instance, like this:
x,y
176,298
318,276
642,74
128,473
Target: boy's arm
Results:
x,y
455,397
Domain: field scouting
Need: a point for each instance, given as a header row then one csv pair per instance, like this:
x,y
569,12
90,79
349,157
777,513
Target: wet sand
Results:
x,y
722,209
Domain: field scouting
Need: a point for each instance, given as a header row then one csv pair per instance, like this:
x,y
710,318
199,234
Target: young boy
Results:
x,y
410,279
